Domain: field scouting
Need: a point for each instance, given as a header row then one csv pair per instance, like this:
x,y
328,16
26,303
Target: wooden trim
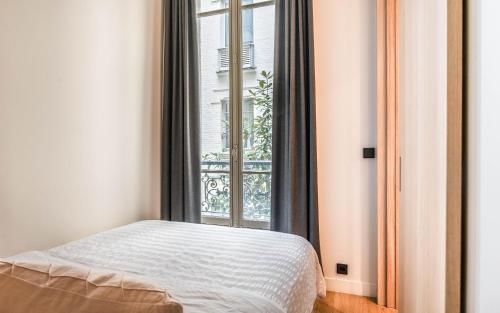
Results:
x,y
454,156
397,152
381,152
392,154
388,160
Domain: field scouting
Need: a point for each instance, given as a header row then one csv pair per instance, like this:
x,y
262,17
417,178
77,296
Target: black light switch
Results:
x,y
369,153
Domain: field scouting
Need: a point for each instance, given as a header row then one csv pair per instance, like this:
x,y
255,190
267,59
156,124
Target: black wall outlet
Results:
x,y
342,269
369,153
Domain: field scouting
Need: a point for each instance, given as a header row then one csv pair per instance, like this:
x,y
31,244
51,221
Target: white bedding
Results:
x,y
209,268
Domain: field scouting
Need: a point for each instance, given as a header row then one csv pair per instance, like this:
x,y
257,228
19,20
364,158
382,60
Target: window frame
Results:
x,y
235,103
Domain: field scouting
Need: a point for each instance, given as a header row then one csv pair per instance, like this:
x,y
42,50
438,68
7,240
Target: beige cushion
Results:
x,y
42,287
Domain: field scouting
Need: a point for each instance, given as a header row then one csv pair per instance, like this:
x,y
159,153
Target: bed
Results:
x,y
207,268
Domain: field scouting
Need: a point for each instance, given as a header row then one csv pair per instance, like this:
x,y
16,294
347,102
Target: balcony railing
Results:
x,y
215,189
247,57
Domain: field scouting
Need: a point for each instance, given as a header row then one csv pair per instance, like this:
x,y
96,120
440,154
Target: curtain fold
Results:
x,y
294,197
180,159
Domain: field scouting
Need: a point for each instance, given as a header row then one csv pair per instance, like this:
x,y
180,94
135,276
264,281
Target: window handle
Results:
x,y
234,153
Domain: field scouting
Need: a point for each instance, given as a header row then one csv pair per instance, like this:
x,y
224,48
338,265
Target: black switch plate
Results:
x,y
342,269
369,153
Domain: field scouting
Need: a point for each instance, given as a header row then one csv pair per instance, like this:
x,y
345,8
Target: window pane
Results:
x,y
248,120
215,111
225,129
257,61
247,25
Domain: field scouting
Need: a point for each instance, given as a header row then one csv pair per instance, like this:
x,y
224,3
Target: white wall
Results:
x,y
79,118
483,174
345,54
423,151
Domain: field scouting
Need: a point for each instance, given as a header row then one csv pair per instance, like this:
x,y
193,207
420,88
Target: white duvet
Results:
x,y
209,268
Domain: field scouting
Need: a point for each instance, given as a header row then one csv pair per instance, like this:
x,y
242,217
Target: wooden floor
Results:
x,y
343,303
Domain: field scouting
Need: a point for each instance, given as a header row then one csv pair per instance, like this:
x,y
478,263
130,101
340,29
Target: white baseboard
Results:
x,y
351,287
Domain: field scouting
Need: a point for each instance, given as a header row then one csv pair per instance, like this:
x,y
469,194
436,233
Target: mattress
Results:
x,y
208,268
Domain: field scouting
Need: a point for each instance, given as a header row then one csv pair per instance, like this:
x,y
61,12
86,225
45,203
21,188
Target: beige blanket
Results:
x,y
40,285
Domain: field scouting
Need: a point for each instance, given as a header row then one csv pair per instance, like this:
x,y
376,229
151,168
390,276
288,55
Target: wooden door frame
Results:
x,y
455,41
388,155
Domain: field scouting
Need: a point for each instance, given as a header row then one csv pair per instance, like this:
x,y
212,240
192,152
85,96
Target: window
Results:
x,y
247,35
225,124
248,123
236,112
246,24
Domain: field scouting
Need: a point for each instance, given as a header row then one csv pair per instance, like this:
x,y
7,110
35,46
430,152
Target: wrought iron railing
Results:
x,y
215,189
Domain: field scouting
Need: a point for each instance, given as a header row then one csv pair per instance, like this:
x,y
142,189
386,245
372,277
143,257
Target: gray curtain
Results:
x,y
180,177
294,184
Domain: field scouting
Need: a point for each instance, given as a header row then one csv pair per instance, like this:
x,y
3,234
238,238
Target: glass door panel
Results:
x,y
215,111
236,43
257,58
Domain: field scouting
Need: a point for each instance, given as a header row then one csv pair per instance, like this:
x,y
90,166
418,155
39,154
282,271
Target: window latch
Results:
x,y
234,153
